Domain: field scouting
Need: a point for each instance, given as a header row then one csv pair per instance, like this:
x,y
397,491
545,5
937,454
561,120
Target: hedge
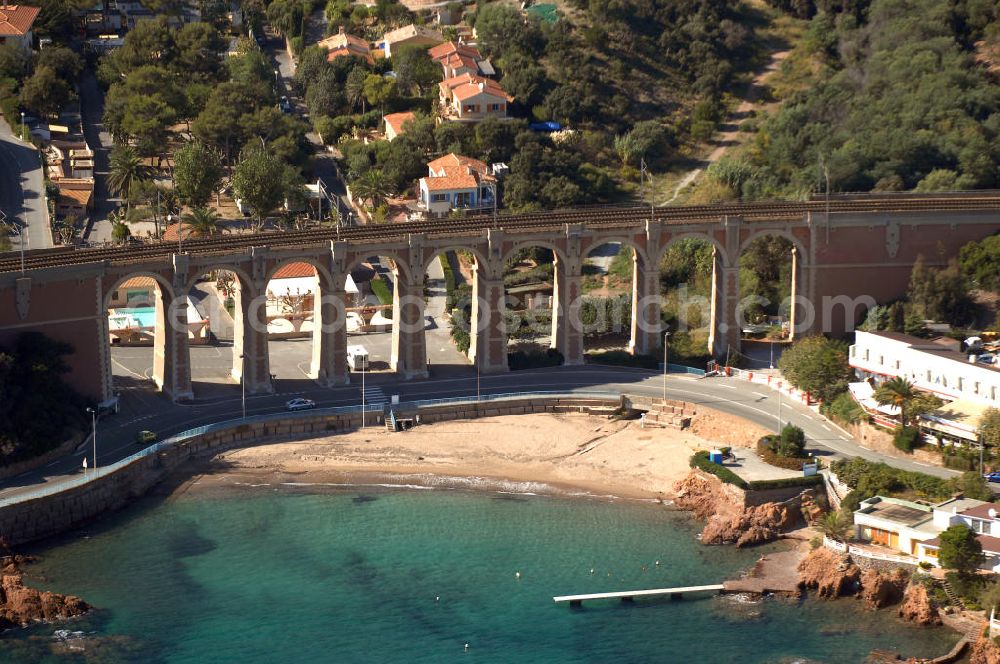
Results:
x,y
760,485
625,359
534,359
769,455
701,461
449,276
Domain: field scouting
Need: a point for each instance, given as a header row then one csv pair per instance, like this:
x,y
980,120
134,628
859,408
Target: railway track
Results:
x,y
596,217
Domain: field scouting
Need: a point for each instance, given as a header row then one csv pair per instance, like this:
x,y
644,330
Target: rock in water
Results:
x,y
984,651
880,589
832,574
21,606
917,607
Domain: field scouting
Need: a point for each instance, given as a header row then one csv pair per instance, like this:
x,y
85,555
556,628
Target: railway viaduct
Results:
x,y
849,252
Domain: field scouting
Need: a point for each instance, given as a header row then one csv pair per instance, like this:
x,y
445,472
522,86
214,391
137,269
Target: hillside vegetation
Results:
x,y
899,95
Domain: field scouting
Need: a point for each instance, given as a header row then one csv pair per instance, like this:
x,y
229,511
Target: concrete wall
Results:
x,y
49,515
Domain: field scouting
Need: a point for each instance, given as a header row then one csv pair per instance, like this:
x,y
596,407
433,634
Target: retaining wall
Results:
x,y
49,515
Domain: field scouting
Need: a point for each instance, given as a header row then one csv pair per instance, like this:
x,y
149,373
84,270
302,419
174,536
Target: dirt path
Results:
x,y
729,134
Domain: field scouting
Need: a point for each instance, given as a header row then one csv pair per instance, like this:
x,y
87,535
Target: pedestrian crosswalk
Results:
x,y
374,396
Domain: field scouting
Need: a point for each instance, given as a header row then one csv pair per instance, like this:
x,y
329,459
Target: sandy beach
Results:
x,y
536,453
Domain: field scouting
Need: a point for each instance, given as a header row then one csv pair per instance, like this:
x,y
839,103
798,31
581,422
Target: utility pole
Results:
x,y
243,382
93,419
665,365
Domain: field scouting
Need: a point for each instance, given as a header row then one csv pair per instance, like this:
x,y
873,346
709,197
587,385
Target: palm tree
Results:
x,y
202,221
127,169
835,525
895,392
372,185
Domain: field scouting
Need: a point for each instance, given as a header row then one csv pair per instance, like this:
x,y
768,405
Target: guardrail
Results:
x,y
843,547
92,475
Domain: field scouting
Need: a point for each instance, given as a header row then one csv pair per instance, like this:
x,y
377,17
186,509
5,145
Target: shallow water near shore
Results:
x,y
278,574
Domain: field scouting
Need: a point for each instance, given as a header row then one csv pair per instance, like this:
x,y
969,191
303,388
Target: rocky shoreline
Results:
x,y
21,606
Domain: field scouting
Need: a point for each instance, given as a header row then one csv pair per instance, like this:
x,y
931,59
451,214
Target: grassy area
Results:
x,y
381,290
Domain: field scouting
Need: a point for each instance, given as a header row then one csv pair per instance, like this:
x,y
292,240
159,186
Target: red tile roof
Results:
x,y
442,51
137,282
982,511
16,20
989,543
468,85
454,171
397,120
294,271
455,161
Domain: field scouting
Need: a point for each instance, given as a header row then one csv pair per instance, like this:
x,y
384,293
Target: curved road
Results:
x,y
146,410
22,189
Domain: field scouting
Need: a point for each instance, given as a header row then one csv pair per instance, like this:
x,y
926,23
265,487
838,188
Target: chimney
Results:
x,y
482,86
340,30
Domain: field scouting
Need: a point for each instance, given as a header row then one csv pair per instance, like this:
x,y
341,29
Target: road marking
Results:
x,y
762,396
825,427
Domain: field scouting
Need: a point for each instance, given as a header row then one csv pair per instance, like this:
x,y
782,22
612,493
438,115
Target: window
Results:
x,y
866,354
881,360
114,295
897,365
439,198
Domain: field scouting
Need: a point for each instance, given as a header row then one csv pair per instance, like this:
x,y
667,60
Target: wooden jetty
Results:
x,y
629,595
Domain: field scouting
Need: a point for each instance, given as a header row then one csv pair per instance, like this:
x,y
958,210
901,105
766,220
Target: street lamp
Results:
x,y
22,126
93,420
364,366
665,358
243,382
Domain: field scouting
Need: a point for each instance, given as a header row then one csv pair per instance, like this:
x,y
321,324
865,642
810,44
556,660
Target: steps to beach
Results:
x,y
374,396
952,595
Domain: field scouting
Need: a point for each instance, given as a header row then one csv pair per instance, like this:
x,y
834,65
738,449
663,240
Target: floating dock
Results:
x,y
629,595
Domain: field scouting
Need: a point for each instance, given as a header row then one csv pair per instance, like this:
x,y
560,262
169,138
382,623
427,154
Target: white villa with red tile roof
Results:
x,y
343,44
15,24
472,98
456,182
394,123
457,59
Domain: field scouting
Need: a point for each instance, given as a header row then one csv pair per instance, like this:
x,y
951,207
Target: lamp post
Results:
x,y
665,358
93,420
22,126
363,372
243,382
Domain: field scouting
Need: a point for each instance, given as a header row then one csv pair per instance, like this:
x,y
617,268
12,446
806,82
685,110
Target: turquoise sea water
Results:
x,y
266,575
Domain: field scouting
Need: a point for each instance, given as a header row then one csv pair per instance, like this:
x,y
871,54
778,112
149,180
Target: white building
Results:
x,y
894,523
928,364
914,529
983,518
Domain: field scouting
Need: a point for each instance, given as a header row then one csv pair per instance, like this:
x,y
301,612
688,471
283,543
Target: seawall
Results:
x,y
48,515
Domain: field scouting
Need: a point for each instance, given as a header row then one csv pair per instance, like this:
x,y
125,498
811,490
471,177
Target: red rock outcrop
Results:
x,y
984,651
880,589
705,496
754,525
728,521
21,606
832,574
917,607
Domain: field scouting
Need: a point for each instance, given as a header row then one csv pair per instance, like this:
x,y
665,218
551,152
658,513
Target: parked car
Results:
x,y
300,404
986,358
145,437
992,477
285,104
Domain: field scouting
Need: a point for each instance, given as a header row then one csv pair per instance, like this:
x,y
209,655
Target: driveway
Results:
x,y
22,190
92,113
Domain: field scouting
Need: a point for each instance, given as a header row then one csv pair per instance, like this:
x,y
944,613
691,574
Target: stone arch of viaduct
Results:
x,y
842,262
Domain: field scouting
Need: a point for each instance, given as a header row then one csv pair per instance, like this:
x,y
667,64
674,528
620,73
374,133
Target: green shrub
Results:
x,y
766,449
843,409
534,359
701,461
906,438
868,478
625,359
461,338
760,485
959,462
